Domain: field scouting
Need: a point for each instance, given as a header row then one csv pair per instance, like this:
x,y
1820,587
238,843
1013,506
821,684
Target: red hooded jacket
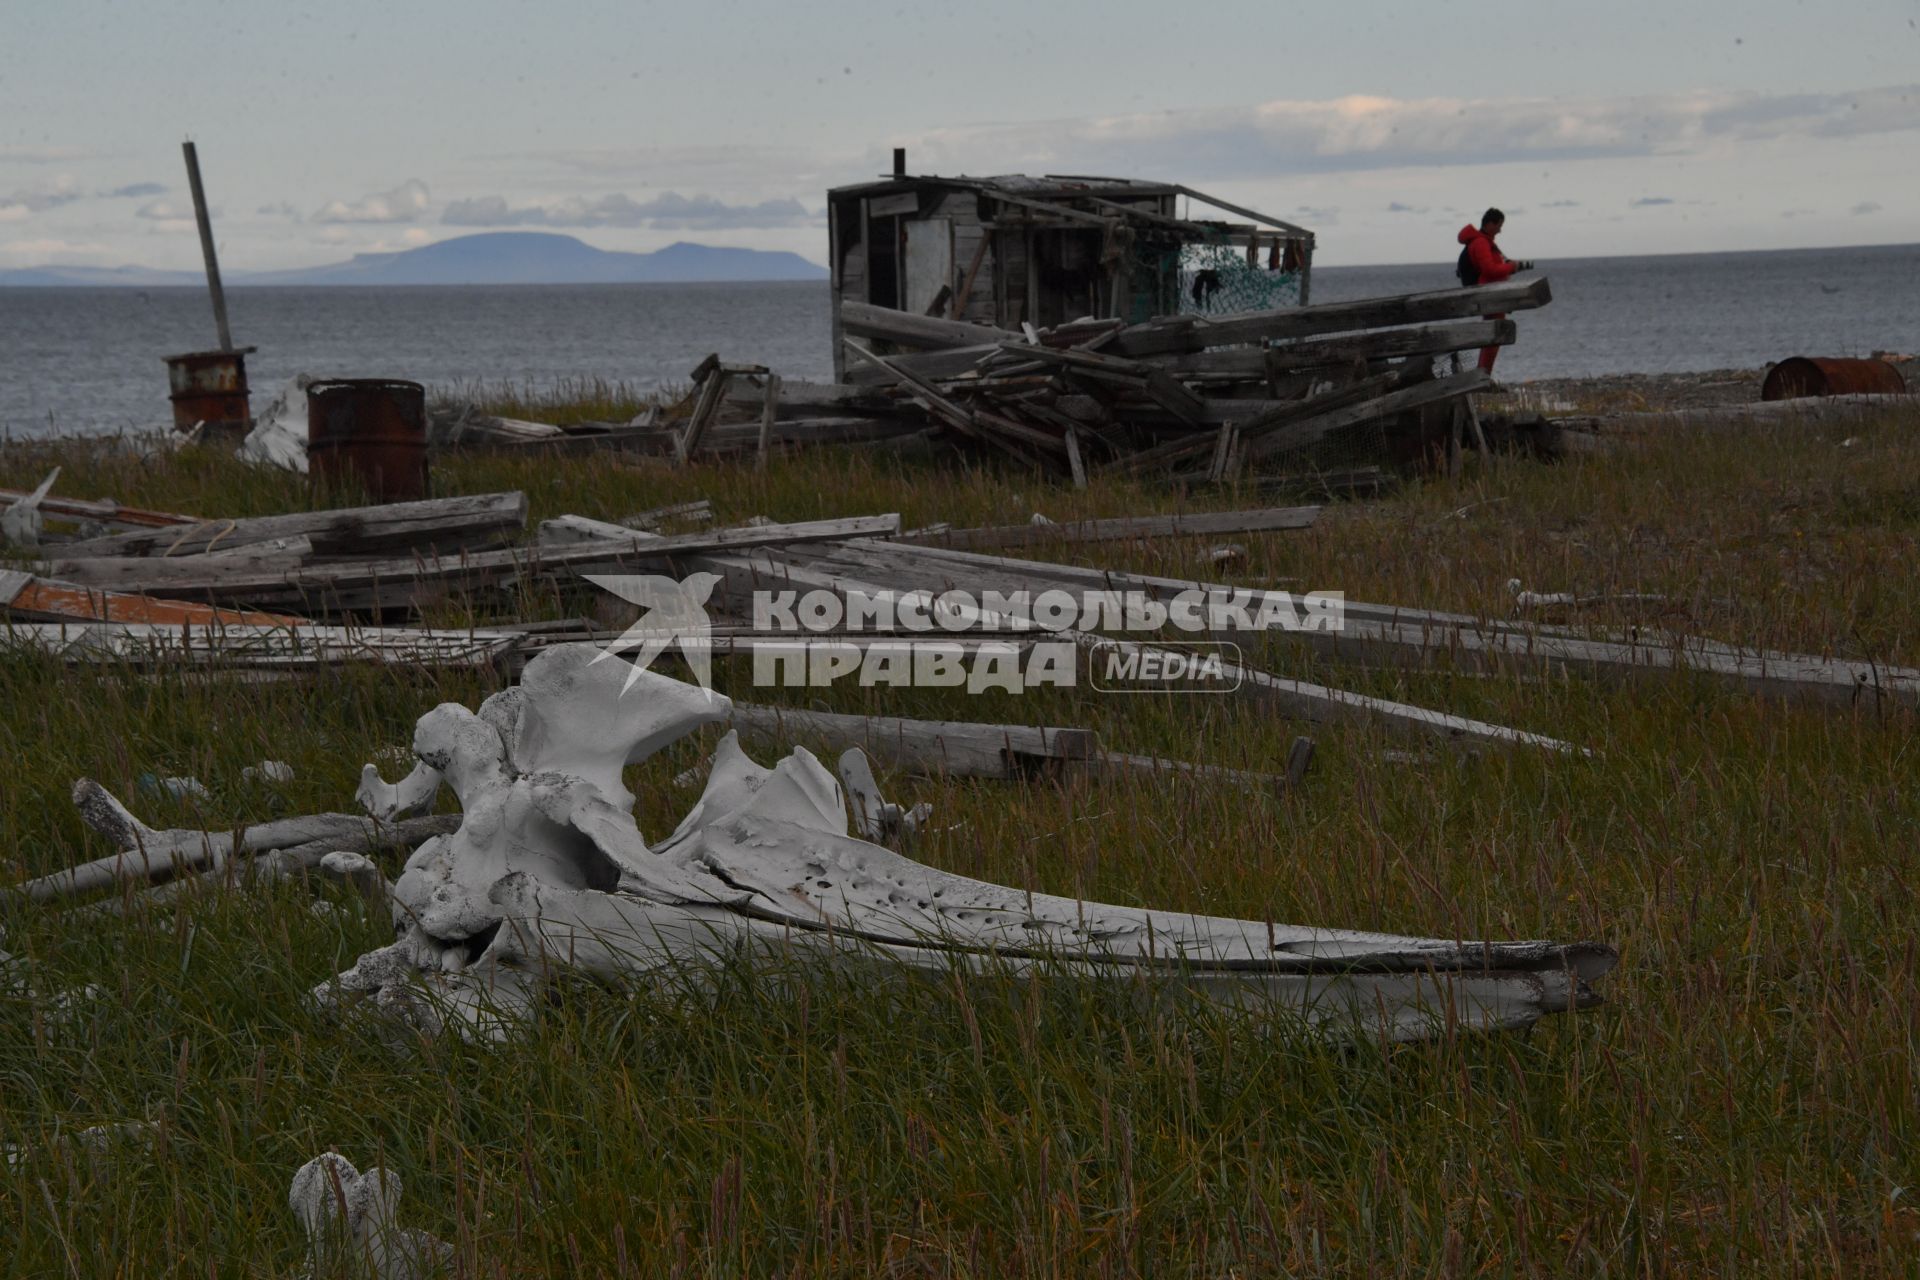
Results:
x,y
1491,265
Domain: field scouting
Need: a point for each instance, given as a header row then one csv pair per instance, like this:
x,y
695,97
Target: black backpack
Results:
x,y
1465,270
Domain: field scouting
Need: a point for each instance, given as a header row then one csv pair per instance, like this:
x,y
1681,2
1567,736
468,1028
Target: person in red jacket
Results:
x,y
1481,262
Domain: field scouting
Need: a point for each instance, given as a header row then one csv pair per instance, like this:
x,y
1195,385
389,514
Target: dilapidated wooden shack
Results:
x,y
1010,251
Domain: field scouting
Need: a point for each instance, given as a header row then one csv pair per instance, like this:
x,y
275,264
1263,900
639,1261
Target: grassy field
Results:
x,y
1743,1104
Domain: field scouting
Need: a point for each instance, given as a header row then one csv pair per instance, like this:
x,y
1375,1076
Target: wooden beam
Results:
x,y
205,222
299,646
954,748
865,320
705,405
448,523
397,582
40,599
1195,524
1264,437
973,272
1266,219
769,411
107,512
1175,334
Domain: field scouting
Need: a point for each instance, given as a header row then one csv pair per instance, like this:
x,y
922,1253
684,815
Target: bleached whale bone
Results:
x,y
550,870
349,1219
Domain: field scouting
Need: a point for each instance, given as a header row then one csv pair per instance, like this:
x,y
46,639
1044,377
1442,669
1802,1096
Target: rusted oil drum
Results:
x,y
210,387
1821,376
370,432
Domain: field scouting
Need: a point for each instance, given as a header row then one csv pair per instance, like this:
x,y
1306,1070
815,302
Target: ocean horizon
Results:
x,y
86,359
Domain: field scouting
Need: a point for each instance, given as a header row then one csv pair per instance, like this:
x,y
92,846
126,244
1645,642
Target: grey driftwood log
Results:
x,y
550,870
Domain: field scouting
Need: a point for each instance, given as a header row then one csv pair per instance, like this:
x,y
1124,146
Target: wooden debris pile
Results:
x,y
311,588
1191,396
1204,398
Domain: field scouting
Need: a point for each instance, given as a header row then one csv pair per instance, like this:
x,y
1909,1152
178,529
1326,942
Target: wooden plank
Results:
x,y
397,581
866,320
1075,467
42,599
1397,636
953,748
769,411
1176,334
106,512
299,646
1264,437
973,272
1122,767
704,407
889,566
924,393
448,523
1218,203
1319,704
1188,524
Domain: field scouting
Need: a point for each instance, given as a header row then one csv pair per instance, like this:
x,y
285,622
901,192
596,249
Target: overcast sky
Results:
x,y
325,130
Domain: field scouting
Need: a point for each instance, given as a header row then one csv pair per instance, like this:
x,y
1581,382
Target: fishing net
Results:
x,y
1217,279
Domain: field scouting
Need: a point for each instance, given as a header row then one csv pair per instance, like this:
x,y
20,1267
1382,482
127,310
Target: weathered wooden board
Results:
x,y
1398,636
1181,334
955,748
300,646
1187,524
26,597
865,320
446,523
397,580
106,512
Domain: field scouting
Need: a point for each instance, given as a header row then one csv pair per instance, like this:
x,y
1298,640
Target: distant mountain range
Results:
x,y
495,257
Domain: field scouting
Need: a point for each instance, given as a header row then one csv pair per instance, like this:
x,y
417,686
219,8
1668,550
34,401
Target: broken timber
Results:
x,y
386,583
1188,524
446,523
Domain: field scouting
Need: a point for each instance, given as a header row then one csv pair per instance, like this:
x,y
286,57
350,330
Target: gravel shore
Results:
x,y
1634,392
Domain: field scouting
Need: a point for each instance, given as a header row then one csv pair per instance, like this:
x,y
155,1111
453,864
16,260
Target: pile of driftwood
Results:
x,y
1189,397
307,590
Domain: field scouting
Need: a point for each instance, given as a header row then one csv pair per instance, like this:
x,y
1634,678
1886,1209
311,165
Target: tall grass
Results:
x,y
1744,1104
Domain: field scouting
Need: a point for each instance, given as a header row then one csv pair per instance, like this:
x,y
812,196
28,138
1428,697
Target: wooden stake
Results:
x,y
206,246
768,413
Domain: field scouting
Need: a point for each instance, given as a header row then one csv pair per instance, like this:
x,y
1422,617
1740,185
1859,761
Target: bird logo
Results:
x,y
673,613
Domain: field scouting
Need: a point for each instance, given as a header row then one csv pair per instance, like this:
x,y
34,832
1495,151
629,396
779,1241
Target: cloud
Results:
x,y
1397,207
31,200
53,248
1561,204
668,210
41,155
134,191
402,204
1368,132
1864,208
280,210
162,211
1649,202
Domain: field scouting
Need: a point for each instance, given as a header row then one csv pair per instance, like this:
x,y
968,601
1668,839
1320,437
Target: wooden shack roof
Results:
x,y
1069,192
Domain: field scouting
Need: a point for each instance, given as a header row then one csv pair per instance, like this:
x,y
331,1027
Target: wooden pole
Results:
x,y
206,246
769,410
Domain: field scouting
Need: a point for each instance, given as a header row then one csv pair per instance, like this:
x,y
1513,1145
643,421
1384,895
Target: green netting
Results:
x,y
1215,279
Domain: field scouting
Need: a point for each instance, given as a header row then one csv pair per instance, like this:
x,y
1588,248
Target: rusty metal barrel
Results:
x,y
210,387
1825,376
370,432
